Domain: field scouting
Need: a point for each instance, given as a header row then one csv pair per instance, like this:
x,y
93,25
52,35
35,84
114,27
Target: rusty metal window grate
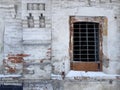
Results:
x,y
86,41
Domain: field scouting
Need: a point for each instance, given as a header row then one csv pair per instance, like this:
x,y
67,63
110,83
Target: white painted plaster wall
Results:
x,y
61,33
40,64
1,42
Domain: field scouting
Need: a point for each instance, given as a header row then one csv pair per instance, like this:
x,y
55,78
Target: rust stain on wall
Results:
x,y
18,58
14,59
71,20
10,69
48,53
105,31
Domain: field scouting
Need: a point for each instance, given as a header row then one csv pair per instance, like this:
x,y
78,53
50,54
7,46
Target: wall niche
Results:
x,y
30,21
35,6
42,21
36,14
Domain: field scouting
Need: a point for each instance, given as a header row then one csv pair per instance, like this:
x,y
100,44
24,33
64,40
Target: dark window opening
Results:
x,y
10,87
86,41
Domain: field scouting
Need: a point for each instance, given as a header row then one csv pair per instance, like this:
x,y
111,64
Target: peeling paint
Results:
x,y
37,53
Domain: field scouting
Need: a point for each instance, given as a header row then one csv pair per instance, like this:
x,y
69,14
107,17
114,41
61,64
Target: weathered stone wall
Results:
x,y
37,39
62,10
66,84
72,85
42,50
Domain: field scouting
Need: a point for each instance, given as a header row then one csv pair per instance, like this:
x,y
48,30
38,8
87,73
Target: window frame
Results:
x,y
86,66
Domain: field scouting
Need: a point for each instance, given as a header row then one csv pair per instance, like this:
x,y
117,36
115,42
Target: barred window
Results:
x,y
85,45
86,41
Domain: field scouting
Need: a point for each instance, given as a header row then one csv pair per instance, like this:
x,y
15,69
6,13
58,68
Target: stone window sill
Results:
x,y
79,75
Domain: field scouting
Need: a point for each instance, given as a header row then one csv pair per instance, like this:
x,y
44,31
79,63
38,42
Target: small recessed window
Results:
x,y
85,45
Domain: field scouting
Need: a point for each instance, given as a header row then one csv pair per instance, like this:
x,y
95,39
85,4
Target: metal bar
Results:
x,y
95,41
87,41
82,46
80,42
